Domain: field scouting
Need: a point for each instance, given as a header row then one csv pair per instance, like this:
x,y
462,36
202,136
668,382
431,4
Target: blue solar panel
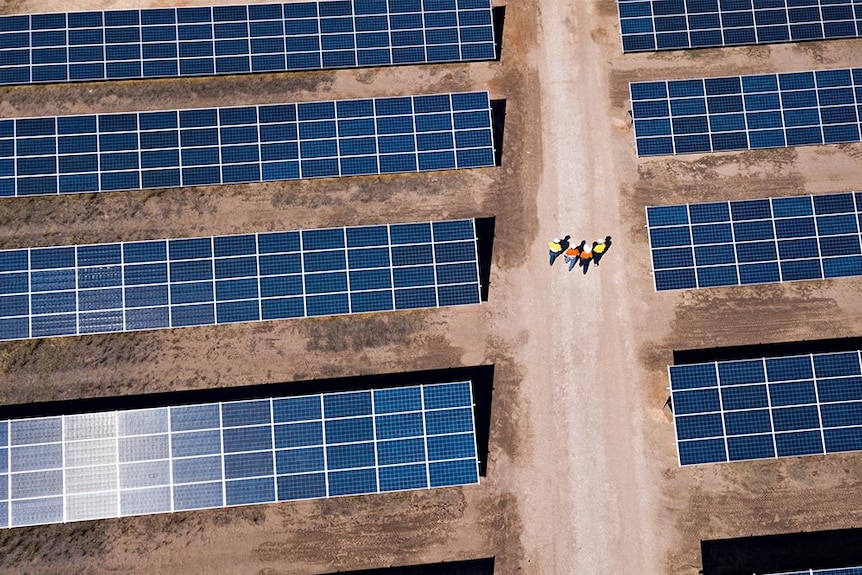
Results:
x,y
102,288
767,407
170,42
113,152
158,460
755,241
650,25
747,112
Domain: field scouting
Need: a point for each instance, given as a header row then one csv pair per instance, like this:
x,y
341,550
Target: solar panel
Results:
x,y
755,241
215,40
840,571
747,112
142,150
101,288
768,407
649,25
159,460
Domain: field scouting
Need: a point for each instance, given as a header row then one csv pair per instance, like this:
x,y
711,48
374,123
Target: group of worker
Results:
x,y
582,254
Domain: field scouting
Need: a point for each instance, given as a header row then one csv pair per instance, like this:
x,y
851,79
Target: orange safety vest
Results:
x,y
573,252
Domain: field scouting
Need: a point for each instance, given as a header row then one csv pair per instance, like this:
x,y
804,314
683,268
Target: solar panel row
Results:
x,y
121,463
107,152
768,407
102,288
169,42
649,25
747,112
755,241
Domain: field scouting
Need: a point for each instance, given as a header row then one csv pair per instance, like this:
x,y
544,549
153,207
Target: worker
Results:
x,y
586,256
557,246
572,255
601,248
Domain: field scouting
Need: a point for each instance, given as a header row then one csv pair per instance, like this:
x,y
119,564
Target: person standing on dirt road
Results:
x,y
601,248
571,255
586,256
557,246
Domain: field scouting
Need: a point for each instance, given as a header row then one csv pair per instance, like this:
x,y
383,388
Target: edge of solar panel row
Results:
x,y
245,144
767,408
743,242
201,456
750,112
142,285
241,39
838,571
649,26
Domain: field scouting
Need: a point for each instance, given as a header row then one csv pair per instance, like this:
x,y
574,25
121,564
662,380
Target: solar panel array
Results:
x,y
747,112
840,571
135,462
100,288
755,241
768,407
196,41
649,25
107,152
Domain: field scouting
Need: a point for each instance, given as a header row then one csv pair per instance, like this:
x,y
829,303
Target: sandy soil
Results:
x,y
582,474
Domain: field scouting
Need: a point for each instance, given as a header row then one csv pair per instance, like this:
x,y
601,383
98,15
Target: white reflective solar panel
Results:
x,y
101,288
236,453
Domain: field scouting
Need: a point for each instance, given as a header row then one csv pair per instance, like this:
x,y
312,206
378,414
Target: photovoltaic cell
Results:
x,y
75,290
747,112
142,150
650,25
205,41
768,407
755,241
159,460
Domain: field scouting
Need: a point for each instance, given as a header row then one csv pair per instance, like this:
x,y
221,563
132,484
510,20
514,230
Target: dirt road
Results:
x,y
594,509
